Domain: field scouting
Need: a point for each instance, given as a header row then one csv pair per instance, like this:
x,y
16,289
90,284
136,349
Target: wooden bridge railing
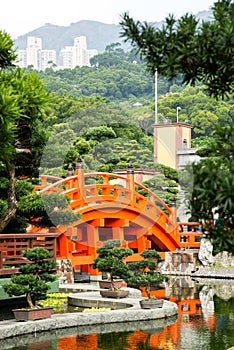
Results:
x,y
90,189
85,186
189,234
13,245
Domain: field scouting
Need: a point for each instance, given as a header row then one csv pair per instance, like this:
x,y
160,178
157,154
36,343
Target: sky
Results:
x,y
18,17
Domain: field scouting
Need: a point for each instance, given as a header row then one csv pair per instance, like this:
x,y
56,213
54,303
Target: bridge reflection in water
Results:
x,y
205,322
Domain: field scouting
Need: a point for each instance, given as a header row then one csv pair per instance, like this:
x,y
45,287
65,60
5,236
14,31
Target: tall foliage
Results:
x,y
200,52
22,101
212,200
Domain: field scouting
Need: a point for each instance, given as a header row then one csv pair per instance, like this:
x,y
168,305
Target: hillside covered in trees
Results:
x,y
120,77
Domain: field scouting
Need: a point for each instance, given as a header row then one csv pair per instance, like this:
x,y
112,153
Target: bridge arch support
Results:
x,y
111,207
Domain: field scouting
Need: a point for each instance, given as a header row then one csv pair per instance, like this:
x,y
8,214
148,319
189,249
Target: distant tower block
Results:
x,y
168,139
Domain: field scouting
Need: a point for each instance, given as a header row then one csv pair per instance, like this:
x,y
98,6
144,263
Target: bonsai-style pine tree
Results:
x,y
47,209
143,273
34,276
110,260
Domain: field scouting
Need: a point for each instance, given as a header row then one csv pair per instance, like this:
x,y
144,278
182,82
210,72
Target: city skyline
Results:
x,y
70,56
20,17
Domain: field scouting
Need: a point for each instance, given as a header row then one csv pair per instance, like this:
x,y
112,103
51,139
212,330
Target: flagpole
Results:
x,y
156,95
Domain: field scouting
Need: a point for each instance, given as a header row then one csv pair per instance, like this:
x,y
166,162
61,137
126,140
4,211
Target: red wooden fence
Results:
x,y
13,245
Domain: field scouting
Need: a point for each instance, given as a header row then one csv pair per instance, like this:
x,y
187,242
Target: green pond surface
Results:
x,y
205,322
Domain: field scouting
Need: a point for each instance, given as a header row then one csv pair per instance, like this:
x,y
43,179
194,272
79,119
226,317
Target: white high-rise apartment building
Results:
x,y
47,58
34,45
34,55
71,56
66,57
81,42
79,50
77,55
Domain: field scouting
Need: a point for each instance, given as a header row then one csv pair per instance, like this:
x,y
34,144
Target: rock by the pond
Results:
x,y
205,252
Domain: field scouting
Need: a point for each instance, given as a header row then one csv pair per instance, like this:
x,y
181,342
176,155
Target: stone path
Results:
x,y
134,313
212,272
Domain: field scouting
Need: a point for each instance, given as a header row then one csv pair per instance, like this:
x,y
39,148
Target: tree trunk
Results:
x,y
147,290
11,198
29,301
112,287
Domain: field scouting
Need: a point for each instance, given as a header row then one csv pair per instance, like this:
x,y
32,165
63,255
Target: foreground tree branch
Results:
x,y
11,197
199,52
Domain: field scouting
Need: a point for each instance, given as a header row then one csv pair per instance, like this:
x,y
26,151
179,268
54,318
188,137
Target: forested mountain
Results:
x,y
56,37
98,34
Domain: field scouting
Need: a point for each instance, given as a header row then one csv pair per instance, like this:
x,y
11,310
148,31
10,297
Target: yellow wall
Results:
x,y
167,146
168,139
186,134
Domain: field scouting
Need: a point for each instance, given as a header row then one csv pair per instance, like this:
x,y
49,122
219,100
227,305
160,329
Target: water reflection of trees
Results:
x,y
195,324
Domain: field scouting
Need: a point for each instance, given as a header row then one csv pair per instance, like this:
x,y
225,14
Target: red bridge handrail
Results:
x,y
73,182
86,189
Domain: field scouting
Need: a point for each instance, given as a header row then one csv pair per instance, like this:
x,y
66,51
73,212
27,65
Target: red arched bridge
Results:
x,y
114,207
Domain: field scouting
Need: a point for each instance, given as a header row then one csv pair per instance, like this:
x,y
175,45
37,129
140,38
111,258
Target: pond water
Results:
x,y
205,322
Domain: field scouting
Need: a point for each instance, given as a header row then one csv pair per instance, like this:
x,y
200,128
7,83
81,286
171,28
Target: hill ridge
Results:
x,y
98,34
